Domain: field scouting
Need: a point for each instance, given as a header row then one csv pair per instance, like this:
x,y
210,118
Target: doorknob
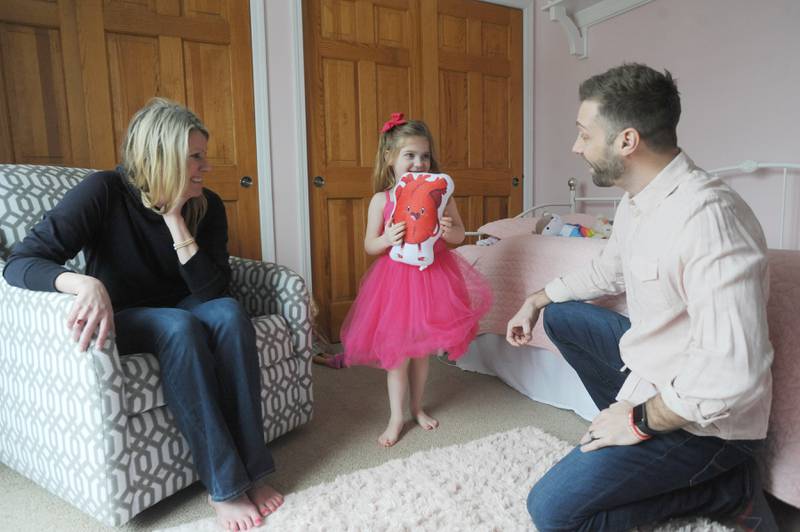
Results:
x,y
246,181
319,181
515,181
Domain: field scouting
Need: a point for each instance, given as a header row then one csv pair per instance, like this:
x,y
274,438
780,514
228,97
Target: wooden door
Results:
x,y
472,73
362,64
73,72
455,64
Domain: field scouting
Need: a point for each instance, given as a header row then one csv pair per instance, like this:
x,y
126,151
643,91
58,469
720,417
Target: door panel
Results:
x,y
33,73
340,89
495,115
128,57
75,71
454,131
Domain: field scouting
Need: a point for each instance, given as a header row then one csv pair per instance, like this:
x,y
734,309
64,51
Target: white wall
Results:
x,y
287,147
737,67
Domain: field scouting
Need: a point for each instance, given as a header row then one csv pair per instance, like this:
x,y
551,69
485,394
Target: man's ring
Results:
x,y
592,436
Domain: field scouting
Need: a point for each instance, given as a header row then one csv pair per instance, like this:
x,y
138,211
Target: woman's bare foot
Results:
x,y
391,435
266,498
236,514
425,421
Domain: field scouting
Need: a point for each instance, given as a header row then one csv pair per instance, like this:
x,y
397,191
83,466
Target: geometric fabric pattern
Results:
x,y
93,427
26,193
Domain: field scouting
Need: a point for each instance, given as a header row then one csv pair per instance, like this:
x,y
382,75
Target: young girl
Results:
x,y
402,315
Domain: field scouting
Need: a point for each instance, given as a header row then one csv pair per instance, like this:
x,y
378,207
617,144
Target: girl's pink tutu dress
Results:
x,y
402,312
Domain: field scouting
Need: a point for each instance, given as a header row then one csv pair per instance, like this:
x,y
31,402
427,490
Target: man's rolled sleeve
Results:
x,y
557,291
698,410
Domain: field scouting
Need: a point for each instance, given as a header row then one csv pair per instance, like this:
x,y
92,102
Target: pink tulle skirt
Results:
x,y
402,312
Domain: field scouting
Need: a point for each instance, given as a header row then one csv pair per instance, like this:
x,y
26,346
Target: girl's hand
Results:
x,y
90,312
446,223
393,233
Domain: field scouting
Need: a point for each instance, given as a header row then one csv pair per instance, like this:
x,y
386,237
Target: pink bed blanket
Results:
x,y
520,264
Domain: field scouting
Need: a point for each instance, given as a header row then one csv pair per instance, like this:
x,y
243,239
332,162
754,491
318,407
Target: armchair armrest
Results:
x,y
55,400
34,336
267,288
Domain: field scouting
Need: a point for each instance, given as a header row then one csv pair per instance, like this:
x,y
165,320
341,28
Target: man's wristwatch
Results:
x,y
640,421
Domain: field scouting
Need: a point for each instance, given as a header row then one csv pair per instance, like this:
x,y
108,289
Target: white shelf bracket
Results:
x,y
576,37
577,16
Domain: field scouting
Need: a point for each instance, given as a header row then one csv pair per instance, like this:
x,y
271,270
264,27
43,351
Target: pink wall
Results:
x,y
737,63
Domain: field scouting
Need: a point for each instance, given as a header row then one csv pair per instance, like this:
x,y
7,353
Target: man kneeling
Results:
x,y
683,385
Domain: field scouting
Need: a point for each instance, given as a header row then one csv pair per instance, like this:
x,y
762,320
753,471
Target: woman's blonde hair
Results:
x,y
389,146
154,156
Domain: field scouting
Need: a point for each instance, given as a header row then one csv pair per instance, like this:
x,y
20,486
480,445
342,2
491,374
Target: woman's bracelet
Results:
x,y
178,245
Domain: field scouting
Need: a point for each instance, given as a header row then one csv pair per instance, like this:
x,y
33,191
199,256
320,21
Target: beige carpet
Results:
x,y
350,410
481,485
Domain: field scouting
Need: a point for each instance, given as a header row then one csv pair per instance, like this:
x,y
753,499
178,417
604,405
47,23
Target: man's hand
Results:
x,y
518,331
612,426
91,312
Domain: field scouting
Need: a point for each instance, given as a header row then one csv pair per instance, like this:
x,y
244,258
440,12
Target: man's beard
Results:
x,y
606,171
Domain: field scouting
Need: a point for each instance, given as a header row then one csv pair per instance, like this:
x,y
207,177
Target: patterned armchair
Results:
x,y
92,427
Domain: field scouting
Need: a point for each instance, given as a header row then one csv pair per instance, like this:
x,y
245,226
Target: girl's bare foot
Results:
x,y
266,498
391,435
425,421
236,514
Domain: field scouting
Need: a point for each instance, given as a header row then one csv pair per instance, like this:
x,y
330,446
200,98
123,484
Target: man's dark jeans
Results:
x,y
211,380
620,487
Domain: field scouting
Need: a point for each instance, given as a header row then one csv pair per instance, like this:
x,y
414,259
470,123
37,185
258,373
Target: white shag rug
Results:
x,y
478,486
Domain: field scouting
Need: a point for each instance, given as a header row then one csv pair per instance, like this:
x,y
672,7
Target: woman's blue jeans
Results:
x,y
211,381
621,487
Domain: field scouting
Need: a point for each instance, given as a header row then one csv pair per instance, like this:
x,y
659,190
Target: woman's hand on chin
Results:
x,y
175,211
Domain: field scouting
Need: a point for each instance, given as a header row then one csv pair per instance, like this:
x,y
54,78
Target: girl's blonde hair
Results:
x,y
154,156
389,146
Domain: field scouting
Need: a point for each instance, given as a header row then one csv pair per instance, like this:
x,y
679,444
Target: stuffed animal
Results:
x,y
554,225
549,225
602,229
419,201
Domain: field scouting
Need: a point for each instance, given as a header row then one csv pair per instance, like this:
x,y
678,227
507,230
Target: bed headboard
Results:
x,y
785,172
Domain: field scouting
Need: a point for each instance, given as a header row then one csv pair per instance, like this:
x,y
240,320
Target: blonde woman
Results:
x,y
157,273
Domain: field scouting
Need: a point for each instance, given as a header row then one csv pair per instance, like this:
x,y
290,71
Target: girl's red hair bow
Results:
x,y
396,120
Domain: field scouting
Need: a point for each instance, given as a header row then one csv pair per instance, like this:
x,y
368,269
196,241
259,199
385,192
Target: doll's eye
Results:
x,y
422,210
408,208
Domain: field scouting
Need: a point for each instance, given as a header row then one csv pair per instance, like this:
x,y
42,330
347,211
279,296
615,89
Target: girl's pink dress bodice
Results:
x,y
401,312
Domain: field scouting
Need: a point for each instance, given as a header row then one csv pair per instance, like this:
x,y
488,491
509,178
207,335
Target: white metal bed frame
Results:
x,y
744,167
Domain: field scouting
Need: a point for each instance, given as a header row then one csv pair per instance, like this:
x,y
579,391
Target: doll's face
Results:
x,y
414,155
